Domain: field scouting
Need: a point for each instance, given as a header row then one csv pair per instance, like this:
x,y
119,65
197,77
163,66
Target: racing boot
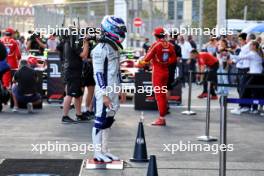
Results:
x,y
97,142
105,136
159,122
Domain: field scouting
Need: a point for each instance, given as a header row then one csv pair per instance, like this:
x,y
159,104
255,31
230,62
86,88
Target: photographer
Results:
x,y
24,89
74,56
35,42
89,83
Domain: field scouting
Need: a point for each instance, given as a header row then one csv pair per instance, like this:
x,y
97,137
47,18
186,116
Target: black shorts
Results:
x,y
88,81
87,75
74,87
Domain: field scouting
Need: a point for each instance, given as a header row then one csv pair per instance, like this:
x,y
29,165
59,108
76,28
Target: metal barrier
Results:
x,y
207,137
223,116
189,112
223,127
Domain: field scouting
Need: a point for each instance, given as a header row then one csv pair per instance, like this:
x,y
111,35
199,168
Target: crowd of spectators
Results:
x,y
225,61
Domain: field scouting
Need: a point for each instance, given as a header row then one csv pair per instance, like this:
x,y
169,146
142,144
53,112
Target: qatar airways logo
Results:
x,y
19,11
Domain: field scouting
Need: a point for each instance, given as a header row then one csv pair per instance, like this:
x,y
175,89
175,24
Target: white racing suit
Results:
x,y
106,75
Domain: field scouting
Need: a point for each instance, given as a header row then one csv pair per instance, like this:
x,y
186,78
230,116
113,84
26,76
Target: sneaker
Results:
x,y
159,122
235,111
254,112
262,114
238,111
89,114
82,118
67,119
30,107
215,97
15,109
244,109
202,95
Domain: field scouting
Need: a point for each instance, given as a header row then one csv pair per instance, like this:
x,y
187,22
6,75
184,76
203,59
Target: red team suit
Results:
x,y
161,53
12,59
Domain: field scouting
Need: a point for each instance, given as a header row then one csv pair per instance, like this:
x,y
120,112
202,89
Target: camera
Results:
x,y
34,36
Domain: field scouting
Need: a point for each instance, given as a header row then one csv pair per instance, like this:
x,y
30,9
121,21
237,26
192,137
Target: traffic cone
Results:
x,y
140,150
152,167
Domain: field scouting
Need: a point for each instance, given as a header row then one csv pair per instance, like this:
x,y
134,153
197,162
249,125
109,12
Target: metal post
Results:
x,y
107,7
207,137
223,127
201,9
189,112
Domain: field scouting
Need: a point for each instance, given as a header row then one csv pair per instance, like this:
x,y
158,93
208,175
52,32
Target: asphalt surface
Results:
x,y
18,131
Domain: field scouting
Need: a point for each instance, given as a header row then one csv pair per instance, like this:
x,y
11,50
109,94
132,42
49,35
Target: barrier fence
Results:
x,y
224,100
207,137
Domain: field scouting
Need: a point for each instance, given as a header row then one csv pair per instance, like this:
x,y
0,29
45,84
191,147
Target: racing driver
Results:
x,y
105,58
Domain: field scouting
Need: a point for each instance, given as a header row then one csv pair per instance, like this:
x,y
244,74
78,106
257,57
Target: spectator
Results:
x,y
259,40
206,60
52,42
22,45
242,66
192,42
223,57
255,58
192,65
211,46
24,89
186,48
13,57
146,45
251,37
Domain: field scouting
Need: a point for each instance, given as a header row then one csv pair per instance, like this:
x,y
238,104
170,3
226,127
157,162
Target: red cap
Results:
x,y
159,31
32,61
10,30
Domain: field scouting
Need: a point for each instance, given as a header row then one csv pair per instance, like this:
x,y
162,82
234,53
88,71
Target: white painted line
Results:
x,y
171,106
177,107
82,166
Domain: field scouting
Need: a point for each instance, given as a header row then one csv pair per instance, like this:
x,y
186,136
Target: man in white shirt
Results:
x,y
243,68
186,48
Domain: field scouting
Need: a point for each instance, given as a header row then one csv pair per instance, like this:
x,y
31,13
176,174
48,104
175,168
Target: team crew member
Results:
x,y
172,67
206,60
105,57
89,83
13,57
161,53
73,63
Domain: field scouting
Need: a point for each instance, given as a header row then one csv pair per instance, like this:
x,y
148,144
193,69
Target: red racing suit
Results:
x,y
12,59
161,53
